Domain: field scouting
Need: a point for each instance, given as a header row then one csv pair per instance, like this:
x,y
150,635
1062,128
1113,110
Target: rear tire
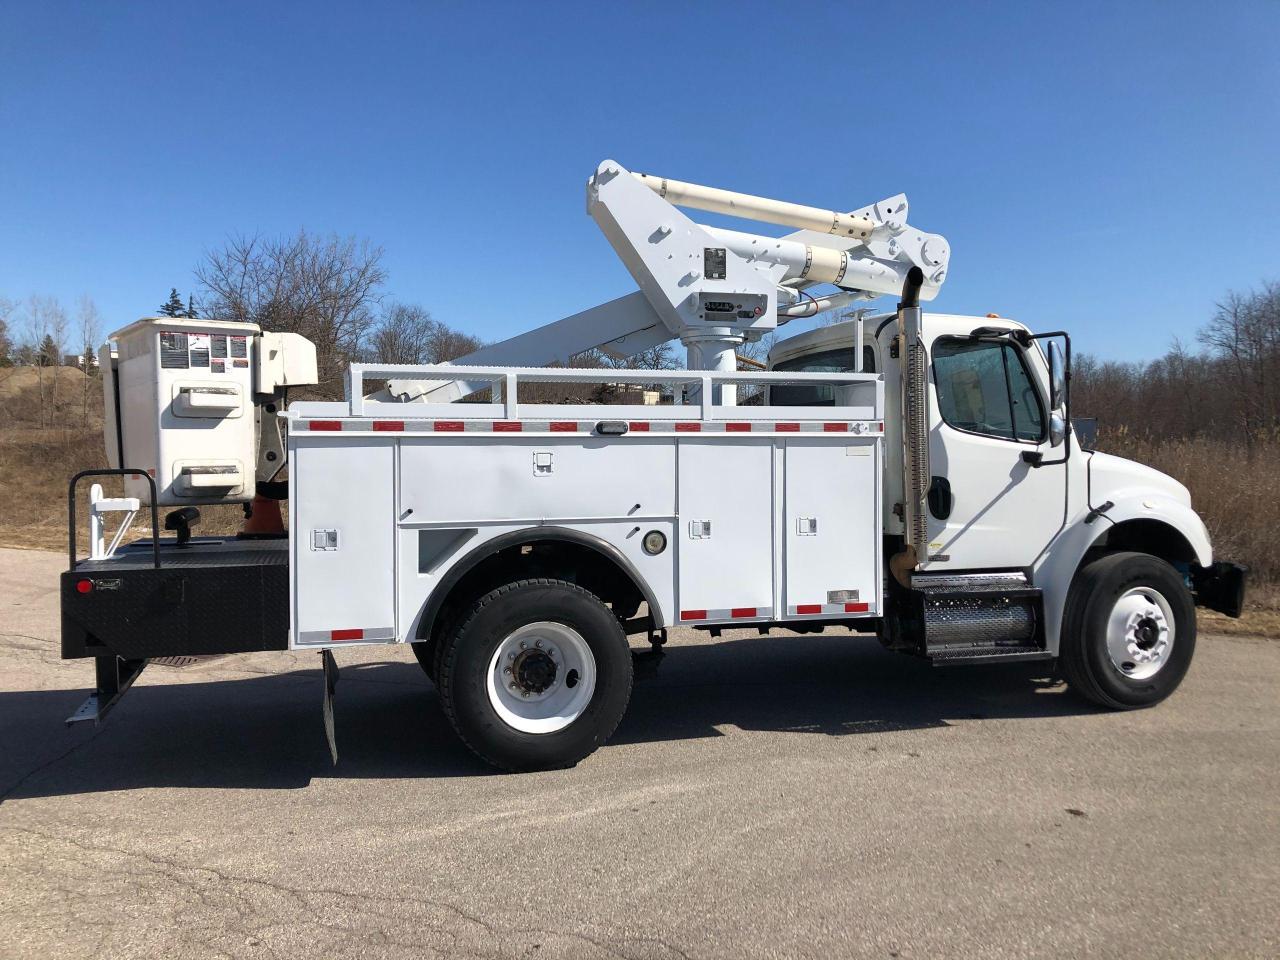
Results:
x,y
1129,631
535,676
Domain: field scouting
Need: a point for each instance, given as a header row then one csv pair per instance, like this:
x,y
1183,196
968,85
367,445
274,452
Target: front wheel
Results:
x,y
1129,631
536,675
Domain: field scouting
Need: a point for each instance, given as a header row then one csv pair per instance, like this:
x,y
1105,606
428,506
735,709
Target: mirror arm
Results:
x,y
1066,379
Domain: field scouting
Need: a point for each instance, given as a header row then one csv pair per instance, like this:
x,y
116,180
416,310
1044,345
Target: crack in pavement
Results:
x,y
177,872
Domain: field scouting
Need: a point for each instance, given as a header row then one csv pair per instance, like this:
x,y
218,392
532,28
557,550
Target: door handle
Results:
x,y
940,497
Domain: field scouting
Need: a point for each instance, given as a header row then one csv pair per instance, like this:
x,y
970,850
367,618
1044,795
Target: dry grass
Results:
x,y
35,466
1236,493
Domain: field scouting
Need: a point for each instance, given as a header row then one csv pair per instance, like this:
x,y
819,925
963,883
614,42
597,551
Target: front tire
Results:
x,y
536,675
1129,632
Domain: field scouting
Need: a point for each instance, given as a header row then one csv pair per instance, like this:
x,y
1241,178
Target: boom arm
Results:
x,y
713,289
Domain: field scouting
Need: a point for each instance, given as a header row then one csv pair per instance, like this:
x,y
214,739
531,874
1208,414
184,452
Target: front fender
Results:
x,y
1158,508
1057,567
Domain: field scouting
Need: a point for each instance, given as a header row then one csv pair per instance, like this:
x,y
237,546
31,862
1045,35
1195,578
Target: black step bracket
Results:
x,y
114,676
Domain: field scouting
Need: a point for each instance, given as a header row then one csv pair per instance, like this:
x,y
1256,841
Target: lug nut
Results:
x,y
506,669
538,644
523,644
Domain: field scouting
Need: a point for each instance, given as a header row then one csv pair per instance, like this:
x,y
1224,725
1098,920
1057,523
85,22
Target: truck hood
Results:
x,y
1111,478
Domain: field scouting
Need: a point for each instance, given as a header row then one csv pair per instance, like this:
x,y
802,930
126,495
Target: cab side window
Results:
x,y
985,388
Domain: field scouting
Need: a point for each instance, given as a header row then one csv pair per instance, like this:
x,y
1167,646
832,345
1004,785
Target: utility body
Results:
x,y
912,475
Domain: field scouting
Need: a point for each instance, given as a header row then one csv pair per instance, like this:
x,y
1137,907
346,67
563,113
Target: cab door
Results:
x,y
990,507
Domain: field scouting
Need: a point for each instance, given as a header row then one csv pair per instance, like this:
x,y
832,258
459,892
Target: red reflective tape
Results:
x,y
388,426
693,614
448,426
737,427
742,612
346,634
809,608
324,425
639,426
564,426
856,607
787,427
880,427
507,426
835,427
688,428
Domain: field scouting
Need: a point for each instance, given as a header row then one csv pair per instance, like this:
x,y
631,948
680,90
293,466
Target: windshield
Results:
x,y
825,361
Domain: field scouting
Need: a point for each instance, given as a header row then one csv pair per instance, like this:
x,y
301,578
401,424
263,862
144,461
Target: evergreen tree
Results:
x,y
173,308
192,312
48,352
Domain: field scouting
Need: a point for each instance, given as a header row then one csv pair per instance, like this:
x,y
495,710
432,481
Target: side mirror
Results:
x,y
1057,428
1057,376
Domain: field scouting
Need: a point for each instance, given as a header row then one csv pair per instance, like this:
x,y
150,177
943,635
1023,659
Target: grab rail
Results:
x,y
511,377
114,472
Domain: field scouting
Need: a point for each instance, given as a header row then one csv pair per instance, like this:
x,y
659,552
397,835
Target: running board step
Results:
x,y
973,656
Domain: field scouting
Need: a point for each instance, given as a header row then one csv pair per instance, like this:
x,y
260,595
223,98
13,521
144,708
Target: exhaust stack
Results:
x,y
915,432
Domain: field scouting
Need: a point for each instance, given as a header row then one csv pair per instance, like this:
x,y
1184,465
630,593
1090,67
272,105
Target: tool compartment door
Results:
x,y
342,528
832,523
725,529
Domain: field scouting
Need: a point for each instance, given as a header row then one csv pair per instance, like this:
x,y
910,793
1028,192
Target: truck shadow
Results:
x,y
266,732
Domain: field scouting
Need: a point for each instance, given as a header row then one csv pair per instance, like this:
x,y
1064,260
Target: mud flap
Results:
x,y
330,684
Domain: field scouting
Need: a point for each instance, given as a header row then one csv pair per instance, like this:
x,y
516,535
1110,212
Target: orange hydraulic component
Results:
x,y
265,516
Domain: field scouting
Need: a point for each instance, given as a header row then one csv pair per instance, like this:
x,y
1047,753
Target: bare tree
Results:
x,y
44,325
7,308
1244,333
407,333
90,322
403,335
326,289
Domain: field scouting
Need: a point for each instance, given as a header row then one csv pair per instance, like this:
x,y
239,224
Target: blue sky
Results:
x,y
1108,168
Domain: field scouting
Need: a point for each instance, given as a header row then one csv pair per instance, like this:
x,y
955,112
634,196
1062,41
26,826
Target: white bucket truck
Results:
x,y
912,475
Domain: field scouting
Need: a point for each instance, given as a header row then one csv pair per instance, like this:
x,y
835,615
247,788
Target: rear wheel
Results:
x,y
1129,632
536,675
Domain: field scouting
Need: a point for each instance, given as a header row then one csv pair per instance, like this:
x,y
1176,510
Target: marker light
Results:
x,y
655,541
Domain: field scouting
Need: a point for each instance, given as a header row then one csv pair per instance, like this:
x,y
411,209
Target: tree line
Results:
x,y
1228,389
332,290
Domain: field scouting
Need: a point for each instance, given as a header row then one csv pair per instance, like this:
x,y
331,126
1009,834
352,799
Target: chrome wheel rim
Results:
x,y
541,677
1140,633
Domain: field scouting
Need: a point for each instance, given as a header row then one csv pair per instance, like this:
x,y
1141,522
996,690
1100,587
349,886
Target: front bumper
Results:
x,y
1220,586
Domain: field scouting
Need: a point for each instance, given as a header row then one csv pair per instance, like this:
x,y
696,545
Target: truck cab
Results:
x,y
1012,497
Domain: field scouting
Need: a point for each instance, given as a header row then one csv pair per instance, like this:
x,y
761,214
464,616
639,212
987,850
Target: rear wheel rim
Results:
x,y
1140,633
541,677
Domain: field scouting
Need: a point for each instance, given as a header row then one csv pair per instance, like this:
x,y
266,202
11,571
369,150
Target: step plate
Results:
x,y
971,656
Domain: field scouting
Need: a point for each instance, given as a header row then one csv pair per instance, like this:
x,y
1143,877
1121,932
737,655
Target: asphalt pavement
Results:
x,y
781,796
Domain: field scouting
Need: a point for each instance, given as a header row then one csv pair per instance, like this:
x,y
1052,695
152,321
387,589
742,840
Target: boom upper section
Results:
x,y
711,288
